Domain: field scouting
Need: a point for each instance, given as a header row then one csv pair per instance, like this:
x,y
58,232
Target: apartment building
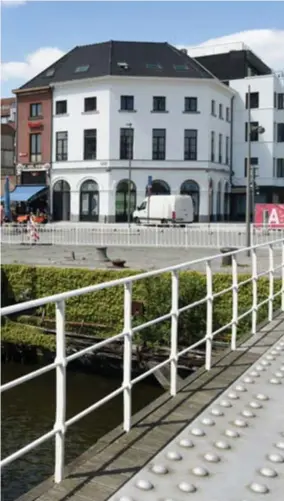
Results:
x,y
8,110
7,155
238,67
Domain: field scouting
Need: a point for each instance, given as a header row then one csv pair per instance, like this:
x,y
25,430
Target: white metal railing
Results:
x,y
128,332
214,235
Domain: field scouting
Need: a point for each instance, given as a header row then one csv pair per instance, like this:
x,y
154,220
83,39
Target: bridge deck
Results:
x,y
106,470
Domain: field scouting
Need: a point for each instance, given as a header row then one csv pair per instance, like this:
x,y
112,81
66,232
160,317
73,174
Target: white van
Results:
x,y
165,209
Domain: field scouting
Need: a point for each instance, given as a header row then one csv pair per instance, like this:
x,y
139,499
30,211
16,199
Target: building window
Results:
x,y
227,150
275,99
254,131
221,111
35,148
228,114
82,69
127,103
159,103
90,144
254,100
280,133
190,104
280,167
220,148
212,146
253,162
61,146
280,101
213,108
61,107
90,104
126,143
190,144
159,144
35,110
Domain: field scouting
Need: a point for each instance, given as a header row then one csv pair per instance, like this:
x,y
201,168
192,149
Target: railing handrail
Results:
x,y
61,359
8,310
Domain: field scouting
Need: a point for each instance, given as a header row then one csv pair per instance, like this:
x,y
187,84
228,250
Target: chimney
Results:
x,y
184,51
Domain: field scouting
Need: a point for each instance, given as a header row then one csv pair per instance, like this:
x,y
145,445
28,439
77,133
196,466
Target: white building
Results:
x,y
243,70
174,163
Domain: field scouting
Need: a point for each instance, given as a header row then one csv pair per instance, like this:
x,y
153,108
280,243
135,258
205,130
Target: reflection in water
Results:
x,y
28,411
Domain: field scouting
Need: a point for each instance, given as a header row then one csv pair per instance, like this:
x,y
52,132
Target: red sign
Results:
x,y
271,215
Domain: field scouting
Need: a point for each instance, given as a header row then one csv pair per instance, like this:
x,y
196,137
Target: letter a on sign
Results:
x,y
273,217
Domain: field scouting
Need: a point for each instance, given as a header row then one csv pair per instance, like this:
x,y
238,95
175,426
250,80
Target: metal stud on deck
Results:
x,y
233,451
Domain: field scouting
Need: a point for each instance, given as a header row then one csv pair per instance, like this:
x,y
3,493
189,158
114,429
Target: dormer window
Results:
x,y
50,72
154,66
123,65
82,69
181,67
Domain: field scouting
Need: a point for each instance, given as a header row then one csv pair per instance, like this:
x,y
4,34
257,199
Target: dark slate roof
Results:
x,y
233,65
103,59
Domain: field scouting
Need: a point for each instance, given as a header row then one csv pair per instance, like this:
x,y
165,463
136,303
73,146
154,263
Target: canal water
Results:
x,y
28,411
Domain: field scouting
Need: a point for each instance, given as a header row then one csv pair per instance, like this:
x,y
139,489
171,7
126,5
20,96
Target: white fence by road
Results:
x,y
120,235
128,333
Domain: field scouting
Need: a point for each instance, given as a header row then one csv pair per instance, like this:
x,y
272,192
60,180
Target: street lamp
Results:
x,y
130,152
249,188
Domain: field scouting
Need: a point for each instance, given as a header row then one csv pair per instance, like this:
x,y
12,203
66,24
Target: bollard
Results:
x,y
227,260
101,254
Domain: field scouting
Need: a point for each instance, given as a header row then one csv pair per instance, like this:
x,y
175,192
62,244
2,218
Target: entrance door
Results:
x,y
89,201
61,201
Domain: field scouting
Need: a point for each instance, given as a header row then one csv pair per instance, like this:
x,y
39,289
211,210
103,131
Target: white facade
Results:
x,y
108,170
267,149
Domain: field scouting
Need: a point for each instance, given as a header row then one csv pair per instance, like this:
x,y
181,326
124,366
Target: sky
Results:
x,y
37,33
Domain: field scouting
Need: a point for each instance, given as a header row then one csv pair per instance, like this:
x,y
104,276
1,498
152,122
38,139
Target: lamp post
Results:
x,y
130,152
249,187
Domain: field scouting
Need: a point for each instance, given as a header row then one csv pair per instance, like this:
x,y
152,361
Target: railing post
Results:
x,y
174,332
282,288
252,239
60,392
271,282
127,356
254,291
209,315
235,302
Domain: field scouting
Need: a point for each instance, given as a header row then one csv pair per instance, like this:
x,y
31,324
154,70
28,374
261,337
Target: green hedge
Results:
x,y
105,308
13,332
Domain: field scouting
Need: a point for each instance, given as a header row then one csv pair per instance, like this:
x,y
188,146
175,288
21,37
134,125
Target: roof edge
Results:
x,y
30,90
214,80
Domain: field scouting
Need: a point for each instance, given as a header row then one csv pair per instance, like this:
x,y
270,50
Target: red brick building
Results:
x,y
34,124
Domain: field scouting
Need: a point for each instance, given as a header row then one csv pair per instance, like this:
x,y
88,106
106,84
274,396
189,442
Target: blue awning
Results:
x,y
26,193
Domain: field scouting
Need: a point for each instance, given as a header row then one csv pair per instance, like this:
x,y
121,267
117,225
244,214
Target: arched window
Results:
x,y
61,201
89,201
191,188
125,200
159,187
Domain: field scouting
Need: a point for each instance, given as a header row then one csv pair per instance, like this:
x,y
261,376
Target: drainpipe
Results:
x,y
231,153
50,155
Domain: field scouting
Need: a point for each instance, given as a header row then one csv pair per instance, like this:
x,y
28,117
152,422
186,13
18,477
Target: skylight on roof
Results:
x,y
82,69
50,72
181,67
153,66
